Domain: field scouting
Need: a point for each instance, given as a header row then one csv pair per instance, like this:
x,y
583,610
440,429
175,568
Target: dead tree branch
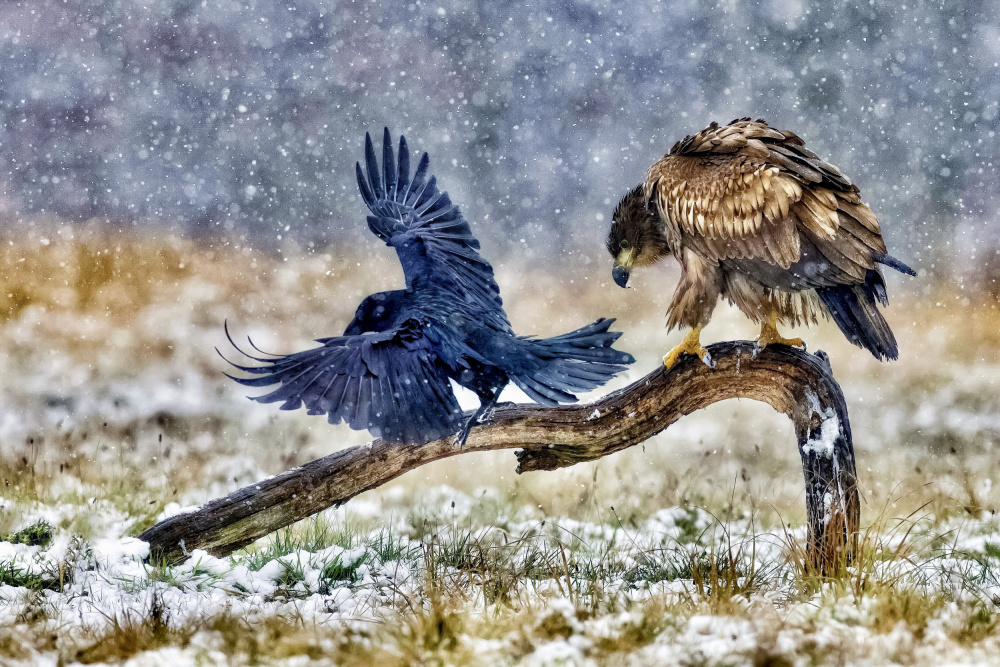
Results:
x,y
793,382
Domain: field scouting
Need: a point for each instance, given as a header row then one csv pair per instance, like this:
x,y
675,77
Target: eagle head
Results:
x,y
636,237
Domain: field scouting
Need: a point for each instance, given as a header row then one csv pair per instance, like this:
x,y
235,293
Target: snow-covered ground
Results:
x,y
114,414
678,587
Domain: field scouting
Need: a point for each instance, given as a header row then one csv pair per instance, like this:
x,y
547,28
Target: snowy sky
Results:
x,y
248,116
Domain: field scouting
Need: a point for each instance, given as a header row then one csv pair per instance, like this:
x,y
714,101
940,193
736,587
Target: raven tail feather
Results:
x,y
580,360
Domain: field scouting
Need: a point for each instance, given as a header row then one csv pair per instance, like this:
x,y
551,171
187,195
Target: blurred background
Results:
x,y
172,164
244,118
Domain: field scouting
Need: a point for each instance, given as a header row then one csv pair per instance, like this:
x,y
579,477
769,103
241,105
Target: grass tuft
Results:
x,y
12,575
38,534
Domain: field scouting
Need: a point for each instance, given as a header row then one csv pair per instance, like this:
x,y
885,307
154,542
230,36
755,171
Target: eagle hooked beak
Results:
x,y
623,265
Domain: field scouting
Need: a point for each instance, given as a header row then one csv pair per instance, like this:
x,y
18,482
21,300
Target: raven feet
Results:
x,y
487,404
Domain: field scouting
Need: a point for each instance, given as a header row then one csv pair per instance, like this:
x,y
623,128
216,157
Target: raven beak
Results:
x,y
620,275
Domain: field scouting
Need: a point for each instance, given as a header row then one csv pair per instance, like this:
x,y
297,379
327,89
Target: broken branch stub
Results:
x,y
792,381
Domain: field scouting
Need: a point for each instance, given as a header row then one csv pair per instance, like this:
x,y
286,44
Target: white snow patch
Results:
x,y
829,430
111,550
562,652
174,508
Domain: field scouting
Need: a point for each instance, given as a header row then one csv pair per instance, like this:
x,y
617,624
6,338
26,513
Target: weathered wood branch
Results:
x,y
794,382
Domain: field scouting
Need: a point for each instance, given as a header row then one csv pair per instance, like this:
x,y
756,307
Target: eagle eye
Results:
x,y
624,245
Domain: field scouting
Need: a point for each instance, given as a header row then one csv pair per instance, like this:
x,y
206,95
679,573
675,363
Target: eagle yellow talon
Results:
x,y
769,335
690,345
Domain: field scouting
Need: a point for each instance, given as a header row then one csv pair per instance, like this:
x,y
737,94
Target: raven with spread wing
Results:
x,y
754,216
390,371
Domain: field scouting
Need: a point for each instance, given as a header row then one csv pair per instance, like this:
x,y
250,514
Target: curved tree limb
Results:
x,y
792,381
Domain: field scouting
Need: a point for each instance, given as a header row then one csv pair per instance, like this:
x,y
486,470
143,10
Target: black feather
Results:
x,y
854,310
892,262
371,164
388,165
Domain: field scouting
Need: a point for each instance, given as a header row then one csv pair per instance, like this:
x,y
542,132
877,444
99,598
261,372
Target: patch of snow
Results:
x,y
173,509
560,652
823,446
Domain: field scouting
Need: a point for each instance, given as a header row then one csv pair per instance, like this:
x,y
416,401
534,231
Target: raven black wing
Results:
x,y
434,242
387,382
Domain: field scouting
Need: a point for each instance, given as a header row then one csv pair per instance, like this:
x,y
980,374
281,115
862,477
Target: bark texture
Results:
x,y
792,381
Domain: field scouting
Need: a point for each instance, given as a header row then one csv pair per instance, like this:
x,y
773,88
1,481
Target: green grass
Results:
x,y
311,535
38,534
12,575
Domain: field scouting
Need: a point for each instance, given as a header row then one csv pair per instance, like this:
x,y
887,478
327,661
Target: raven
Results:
x,y
389,373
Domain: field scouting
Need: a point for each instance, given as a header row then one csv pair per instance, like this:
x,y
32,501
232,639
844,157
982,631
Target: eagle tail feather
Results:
x,y
854,309
893,263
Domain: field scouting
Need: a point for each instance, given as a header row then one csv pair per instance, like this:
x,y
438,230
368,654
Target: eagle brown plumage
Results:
x,y
754,216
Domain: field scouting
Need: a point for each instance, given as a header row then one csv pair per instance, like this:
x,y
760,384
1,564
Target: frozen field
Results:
x,y
114,414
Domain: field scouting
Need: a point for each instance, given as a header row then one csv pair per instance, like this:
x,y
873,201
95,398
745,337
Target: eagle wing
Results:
x,y
746,191
386,382
434,242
